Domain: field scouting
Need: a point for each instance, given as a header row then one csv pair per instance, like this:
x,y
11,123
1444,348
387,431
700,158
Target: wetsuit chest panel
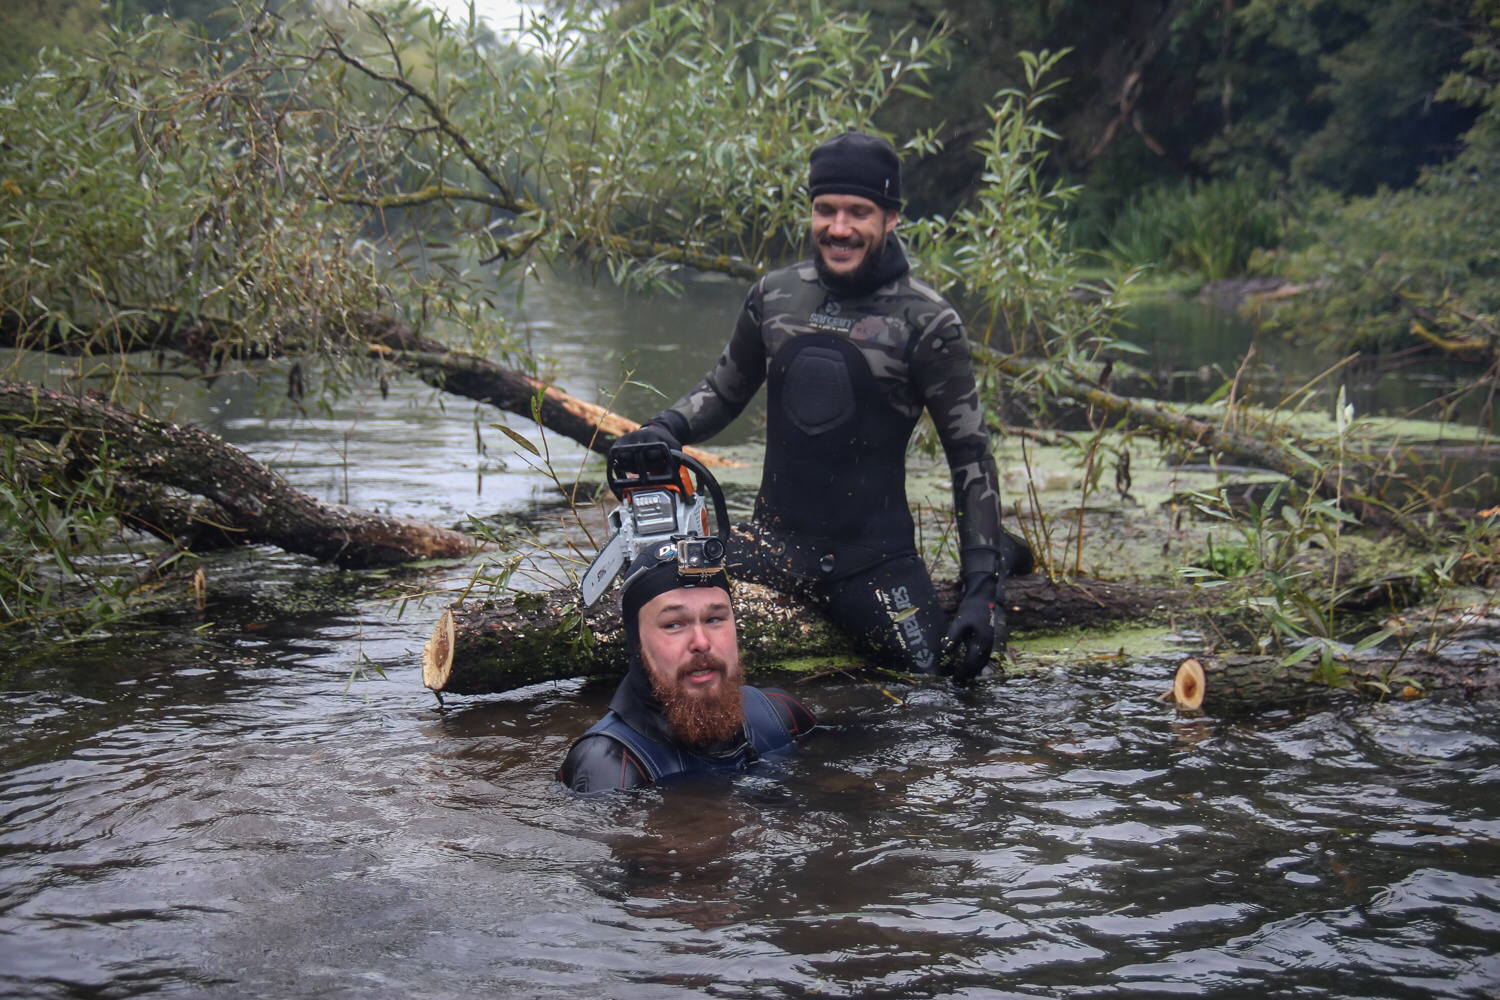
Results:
x,y
842,475
817,394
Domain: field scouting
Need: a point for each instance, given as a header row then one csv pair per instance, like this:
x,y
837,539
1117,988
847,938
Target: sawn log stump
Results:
x,y
1235,684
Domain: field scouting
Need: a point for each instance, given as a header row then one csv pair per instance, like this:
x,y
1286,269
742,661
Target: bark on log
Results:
x,y
491,647
488,647
189,523
476,378
1236,684
596,428
257,502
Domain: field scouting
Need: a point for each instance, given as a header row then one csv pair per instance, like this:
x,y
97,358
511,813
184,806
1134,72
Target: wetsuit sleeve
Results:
x,y
712,404
600,764
797,719
943,370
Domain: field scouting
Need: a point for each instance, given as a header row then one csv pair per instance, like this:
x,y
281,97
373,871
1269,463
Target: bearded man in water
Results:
x,y
683,707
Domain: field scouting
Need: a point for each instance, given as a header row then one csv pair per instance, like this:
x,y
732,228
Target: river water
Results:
x,y
259,799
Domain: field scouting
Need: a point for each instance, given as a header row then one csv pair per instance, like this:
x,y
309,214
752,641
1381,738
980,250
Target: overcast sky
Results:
x,y
501,14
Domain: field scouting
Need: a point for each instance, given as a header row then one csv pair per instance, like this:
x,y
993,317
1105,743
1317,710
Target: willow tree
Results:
x,y
337,187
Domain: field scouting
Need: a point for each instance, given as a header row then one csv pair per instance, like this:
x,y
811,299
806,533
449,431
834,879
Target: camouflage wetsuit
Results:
x,y
847,376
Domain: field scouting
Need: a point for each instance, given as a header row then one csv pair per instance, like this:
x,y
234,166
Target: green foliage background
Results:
x,y
234,185
1343,142
1383,268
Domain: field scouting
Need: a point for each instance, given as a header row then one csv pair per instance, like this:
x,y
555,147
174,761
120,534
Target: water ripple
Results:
x,y
1052,838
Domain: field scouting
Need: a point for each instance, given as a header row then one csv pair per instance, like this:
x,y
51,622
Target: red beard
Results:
x,y
701,719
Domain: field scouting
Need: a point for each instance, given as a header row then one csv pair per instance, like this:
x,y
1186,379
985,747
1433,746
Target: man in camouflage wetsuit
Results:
x,y
852,349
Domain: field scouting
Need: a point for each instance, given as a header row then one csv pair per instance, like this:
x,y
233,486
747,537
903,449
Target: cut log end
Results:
x,y
1188,685
437,655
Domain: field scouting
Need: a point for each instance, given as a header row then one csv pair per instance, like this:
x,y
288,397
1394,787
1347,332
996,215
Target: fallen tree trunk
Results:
x,y
491,647
481,380
1239,684
595,427
254,502
189,523
210,344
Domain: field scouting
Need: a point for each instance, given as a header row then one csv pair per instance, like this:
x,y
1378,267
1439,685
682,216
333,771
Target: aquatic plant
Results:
x,y
1288,576
64,568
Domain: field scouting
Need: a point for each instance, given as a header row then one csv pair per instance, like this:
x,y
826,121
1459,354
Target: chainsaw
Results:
x,y
658,506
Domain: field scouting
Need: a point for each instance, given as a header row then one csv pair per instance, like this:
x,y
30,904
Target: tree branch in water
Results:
x,y
253,501
461,373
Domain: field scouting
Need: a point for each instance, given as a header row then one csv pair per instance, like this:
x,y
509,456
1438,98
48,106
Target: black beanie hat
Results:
x,y
652,573
858,164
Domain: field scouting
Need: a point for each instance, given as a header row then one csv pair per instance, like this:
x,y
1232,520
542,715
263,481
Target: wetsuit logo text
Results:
x,y
829,320
911,629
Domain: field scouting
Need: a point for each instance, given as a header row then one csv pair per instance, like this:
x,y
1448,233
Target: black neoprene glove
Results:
x,y
979,625
648,433
971,637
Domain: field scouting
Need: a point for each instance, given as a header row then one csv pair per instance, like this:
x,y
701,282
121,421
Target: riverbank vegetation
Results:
x,y
331,195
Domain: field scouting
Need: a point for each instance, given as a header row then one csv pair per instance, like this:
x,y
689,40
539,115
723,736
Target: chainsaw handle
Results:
x,y
649,463
715,491
653,463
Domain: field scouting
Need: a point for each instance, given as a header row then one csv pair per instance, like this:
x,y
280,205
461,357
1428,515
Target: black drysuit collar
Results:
x,y
636,702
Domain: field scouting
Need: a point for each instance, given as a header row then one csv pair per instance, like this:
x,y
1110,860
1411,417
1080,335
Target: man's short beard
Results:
x,y
856,280
700,720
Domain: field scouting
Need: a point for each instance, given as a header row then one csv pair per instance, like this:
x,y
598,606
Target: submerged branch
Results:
x,y
1264,452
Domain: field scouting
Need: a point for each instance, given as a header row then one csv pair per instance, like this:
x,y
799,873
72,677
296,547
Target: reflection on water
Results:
x,y
611,346
1192,350
1195,348
209,806
633,354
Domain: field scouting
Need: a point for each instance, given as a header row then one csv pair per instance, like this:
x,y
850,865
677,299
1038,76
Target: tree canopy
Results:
x,y
1346,94
342,185
345,185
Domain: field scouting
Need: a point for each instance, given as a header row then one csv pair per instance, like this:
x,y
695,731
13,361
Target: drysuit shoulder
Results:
x,y
599,763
